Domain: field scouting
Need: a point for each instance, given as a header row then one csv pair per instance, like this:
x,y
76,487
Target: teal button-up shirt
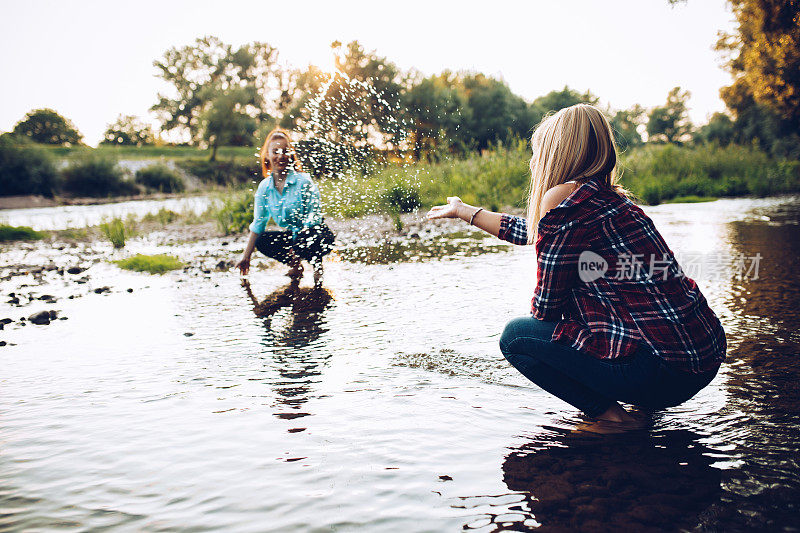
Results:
x,y
298,207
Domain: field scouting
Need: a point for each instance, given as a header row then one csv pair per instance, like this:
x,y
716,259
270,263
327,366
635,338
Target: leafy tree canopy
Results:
x,y
128,130
45,126
670,122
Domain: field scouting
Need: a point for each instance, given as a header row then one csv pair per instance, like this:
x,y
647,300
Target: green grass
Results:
x,y
164,216
19,233
154,264
691,199
115,231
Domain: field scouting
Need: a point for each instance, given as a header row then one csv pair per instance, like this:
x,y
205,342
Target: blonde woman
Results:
x,y
290,198
613,317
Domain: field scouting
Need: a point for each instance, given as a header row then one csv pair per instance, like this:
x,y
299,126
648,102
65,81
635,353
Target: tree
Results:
x,y
225,121
128,130
625,124
720,130
557,100
437,109
670,122
496,114
48,127
197,74
764,57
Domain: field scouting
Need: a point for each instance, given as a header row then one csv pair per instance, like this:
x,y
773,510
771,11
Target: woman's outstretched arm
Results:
x,y
488,221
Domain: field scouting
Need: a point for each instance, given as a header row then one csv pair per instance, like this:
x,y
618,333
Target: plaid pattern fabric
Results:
x,y
607,276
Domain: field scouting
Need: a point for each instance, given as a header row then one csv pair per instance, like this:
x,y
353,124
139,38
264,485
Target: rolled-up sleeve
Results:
x,y
260,213
513,229
557,256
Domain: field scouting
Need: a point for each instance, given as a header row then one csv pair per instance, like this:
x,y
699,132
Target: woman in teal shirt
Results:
x,y
291,199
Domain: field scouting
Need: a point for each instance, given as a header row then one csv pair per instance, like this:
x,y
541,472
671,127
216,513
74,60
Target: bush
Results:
x,y
163,215
402,199
25,168
154,264
234,212
222,172
98,176
160,178
114,230
19,233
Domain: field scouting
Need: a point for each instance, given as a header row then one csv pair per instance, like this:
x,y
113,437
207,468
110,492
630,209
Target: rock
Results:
x,y
41,318
75,270
2,343
47,297
188,334
13,300
6,320
130,290
100,290
53,314
63,318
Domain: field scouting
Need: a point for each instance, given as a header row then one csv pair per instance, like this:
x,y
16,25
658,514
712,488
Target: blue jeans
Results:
x,y
591,384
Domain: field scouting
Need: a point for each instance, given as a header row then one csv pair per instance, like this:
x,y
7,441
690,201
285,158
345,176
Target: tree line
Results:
x,y
220,94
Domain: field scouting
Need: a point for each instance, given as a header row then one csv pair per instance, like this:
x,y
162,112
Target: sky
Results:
x,y
93,60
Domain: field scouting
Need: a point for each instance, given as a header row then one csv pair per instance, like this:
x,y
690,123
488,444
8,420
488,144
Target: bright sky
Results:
x,y
93,60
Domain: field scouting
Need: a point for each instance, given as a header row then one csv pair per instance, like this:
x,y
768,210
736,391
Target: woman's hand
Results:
x,y
243,265
451,210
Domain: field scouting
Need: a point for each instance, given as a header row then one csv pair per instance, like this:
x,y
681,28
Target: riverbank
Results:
x,y
498,177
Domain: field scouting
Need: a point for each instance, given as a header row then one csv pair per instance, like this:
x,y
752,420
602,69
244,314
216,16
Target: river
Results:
x,y
389,408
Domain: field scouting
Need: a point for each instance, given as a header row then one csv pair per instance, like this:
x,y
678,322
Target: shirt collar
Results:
x,y
561,217
291,178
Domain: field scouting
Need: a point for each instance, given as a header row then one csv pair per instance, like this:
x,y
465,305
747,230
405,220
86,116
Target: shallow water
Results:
x,y
389,407
79,216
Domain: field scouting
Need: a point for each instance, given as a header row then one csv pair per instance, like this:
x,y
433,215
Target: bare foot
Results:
x,y
614,420
296,272
616,413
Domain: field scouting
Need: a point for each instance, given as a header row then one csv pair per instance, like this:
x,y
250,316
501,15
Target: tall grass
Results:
x,y
19,233
498,179
663,172
115,231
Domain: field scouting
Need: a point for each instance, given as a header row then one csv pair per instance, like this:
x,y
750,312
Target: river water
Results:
x,y
181,406
79,216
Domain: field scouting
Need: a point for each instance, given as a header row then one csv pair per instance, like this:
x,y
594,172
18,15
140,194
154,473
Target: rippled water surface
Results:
x,y
194,403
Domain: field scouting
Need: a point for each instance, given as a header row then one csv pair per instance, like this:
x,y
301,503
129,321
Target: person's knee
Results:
x,y
525,326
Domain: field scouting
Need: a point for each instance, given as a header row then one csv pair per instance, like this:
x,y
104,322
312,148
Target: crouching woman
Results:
x,y
290,198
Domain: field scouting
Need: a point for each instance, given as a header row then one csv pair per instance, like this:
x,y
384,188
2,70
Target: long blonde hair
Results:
x,y
576,143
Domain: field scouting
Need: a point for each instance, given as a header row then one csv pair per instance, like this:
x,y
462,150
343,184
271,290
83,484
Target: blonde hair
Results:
x,y
576,143
278,133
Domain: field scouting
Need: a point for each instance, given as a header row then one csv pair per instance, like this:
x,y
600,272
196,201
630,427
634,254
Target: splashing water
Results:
x,y
355,139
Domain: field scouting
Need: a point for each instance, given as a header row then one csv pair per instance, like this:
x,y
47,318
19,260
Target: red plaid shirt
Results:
x,y
643,296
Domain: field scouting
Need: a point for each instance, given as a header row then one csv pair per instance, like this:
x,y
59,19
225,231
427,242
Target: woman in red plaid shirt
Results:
x,y
613,317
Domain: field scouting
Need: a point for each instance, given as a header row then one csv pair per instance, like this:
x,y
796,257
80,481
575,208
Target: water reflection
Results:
x,y
298,369
577,482
763,409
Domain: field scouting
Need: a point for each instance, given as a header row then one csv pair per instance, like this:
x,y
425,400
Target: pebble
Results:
x,y
41,318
